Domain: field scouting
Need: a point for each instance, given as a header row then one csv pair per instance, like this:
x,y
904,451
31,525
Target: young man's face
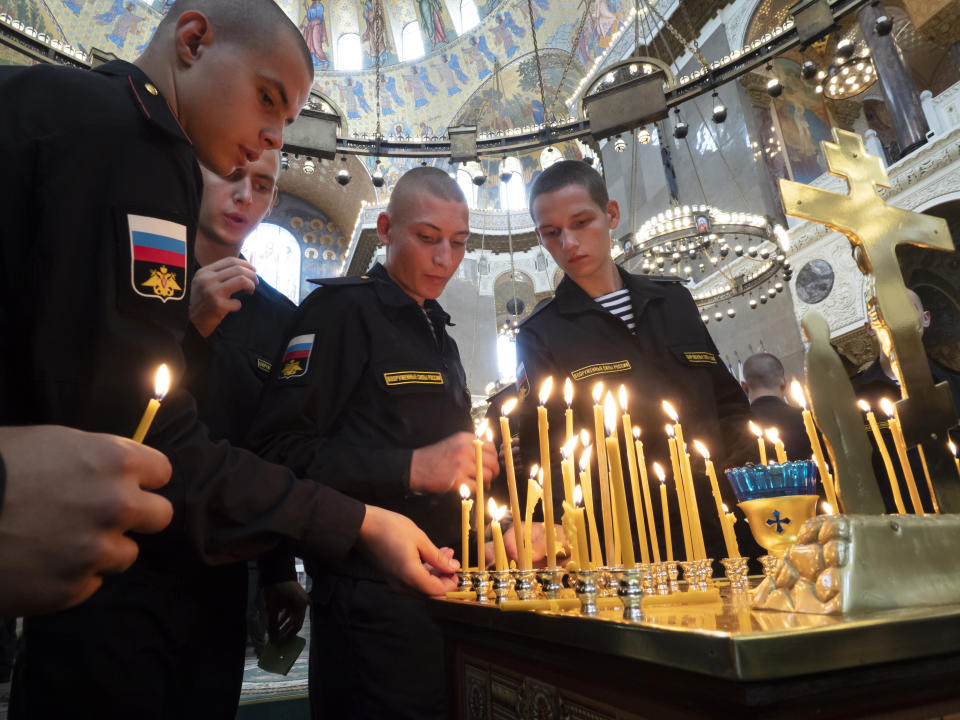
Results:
x,y
575,230
233,206
234,101
425,243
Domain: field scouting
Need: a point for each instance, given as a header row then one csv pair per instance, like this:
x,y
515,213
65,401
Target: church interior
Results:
x,y
494,92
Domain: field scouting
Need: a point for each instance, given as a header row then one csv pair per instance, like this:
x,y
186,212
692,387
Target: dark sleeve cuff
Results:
x,y
277,566
333,528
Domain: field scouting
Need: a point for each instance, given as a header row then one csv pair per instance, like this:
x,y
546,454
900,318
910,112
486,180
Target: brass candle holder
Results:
x,y
704,573
502,584
689,568
769,565
525,584
736,570
481,586
551,582
586,589
465,580
631,590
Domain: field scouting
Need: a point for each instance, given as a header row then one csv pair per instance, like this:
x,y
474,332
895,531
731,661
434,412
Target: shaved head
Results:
x,y
763,373
245,22
422,181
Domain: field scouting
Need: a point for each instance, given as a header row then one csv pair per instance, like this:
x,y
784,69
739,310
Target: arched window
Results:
x,y
411,42
467,17
275,253
465,181
507,357
349,52
513,195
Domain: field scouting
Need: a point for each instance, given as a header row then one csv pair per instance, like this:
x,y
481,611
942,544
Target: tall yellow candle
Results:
x,y
773,435
499,550
466,504
605,513
893,422
543,427
161,386
619,490
580,523
586,483
506,439
953,451
568,413
681,500
714,485
689,491
799,397
755,429
885,455
634,478
727,519
478,507
570,530
534,493
926,476
668,535
647,503
566,466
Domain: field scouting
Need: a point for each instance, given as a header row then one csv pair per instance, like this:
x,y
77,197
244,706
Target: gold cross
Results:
x,y
875,229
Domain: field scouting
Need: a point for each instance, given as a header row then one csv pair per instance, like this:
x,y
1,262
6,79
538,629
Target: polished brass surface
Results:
x,y
728,639
834,408
875,229
775,522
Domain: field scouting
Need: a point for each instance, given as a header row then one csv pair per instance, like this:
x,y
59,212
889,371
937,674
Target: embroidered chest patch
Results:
x,y
600,369
296,358
412,377
158,258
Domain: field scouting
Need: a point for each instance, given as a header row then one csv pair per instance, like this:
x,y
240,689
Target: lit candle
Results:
x,y
161,386
634,478
534,493
478,451
605,514
689,491
664,509
755,429
466,504
800,398
647,504
926,475
827,508
586,483
566,466
773,435
727,519
570,530
715,487
580,524
499,550
568,413
885,454
893,422
506,439
681,500
619,491
543,426
956,460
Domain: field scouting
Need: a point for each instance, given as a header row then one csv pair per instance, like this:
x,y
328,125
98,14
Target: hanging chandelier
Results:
x,y
721,255
850,73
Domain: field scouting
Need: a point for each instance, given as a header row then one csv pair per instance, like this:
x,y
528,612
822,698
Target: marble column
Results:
x,y
896,81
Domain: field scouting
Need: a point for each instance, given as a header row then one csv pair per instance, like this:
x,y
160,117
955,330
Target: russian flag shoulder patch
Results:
x,y
158,258
296,358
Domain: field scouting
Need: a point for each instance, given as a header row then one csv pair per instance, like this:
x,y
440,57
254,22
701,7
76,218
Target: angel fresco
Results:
x,y
477,53
449,71
124,19
505,35
315,33
418,84
389,95
431,20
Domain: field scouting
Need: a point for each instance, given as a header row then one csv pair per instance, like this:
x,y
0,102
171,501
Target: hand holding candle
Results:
x,y
506,440
755,429
773,435
900,444
885,455
161,387
668,535
466,504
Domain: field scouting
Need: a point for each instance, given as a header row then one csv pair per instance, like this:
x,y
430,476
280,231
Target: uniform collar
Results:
x,y
153,106
571,298
393,295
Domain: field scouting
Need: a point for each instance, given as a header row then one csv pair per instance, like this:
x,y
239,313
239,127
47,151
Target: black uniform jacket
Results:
x,y
770,411
99,195
669,357
362,383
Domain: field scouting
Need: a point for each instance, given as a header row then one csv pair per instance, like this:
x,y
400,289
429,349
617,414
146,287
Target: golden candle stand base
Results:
x,y
847,564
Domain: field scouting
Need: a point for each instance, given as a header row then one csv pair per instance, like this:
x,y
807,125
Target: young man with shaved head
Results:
x,y
371,394
95,295
765,384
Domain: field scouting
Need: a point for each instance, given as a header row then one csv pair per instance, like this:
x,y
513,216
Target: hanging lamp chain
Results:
x,y
573,53
378,46
694,48
536,55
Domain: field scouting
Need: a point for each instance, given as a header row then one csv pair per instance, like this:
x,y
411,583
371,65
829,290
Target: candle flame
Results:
x,y
464,491
584,438
488,435
658,471
827,508
725,508
796,390
669,429
610,414
162,382
585,458
755,429
597,393
481,428
567,450
772,434
668,409
864,405
636,432
568,391
533,471
622,395
702,449
508,406
577,496
887,407
953,448
545,390
496,511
